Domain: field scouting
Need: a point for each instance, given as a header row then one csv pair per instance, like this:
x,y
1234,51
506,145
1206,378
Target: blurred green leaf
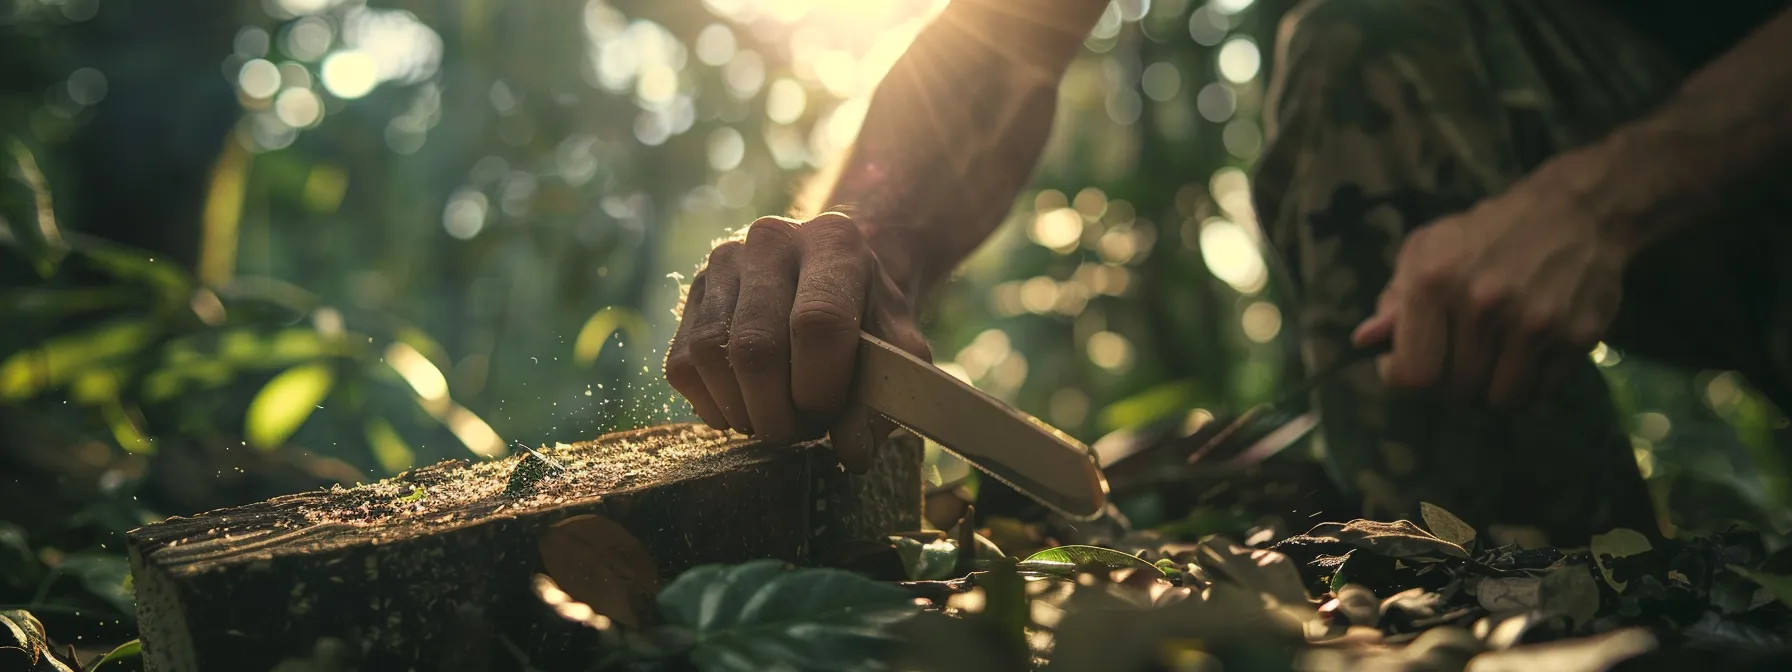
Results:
x,y
59,360
104,576
130,649
603,324
760,616
286,402
390,449
26,206
1155,403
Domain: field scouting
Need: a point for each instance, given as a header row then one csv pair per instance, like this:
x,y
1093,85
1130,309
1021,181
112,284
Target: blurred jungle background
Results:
x,y
262,246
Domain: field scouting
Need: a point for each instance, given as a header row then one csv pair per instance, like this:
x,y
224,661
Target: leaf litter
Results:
x,y
1358,595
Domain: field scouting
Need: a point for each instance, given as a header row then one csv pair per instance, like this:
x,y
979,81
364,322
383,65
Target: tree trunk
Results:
x,y
431,570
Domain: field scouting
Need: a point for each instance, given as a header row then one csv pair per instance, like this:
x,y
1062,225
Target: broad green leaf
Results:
x,y
1618,543
130,649
1778,584
927,561
1080,556
760,616
1446,526
599,328
286,402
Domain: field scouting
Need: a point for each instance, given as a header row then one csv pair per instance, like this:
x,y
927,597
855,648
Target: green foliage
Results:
x,y
1064,559
130,649
927,561
25,646
759,615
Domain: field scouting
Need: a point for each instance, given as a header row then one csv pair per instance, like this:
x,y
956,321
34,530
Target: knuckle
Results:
x,y
820,318
834,229
681,372
1433,277
1488,295
753,349
1537,320
723,255
708,341
775,228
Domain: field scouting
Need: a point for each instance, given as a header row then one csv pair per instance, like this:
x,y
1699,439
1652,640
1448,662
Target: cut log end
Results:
x,y
415,569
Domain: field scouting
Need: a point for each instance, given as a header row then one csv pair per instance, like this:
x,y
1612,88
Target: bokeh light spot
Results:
x,y
785,102
1058,229
1110,351
86,86
716,44
307,39
1216,102
1239,60
1230,6
1231,256
726,148
1242,138
298,108
258,79
1161,81
1207,27
350,74
465,214
1261,322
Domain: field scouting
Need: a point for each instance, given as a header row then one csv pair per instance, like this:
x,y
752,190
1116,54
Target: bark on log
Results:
x,y
431,570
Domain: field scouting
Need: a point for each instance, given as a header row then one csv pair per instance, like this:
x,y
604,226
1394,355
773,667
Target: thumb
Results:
x,y
1377,329
856,434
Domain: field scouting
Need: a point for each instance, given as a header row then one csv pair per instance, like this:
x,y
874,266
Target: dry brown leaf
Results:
x,y
1446,525
598,562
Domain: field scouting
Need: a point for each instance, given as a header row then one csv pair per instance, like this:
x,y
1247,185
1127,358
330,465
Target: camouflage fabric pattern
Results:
x,y
1385,115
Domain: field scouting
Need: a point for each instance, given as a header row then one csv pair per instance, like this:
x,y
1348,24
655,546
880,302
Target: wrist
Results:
x,y
894,249
1591,187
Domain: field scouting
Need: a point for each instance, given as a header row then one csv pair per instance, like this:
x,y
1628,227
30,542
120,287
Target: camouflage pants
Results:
x,y
1386,114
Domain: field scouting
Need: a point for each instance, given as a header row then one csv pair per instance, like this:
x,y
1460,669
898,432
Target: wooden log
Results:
x,y
431,570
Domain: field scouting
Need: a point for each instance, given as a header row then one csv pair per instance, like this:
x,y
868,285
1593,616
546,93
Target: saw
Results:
x,y
1017,449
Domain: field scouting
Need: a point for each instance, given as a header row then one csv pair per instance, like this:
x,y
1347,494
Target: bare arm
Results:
x,y
769,331
955,129
1535,275
1720,143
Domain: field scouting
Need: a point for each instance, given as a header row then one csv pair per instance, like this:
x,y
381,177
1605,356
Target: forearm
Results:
x,y
1720,143
955,129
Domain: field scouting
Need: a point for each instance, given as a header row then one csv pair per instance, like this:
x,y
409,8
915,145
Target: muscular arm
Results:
x,y
769,330
1720,143
955,129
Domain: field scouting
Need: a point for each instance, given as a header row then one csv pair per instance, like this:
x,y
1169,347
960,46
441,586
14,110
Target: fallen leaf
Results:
x,y
1618,543
1446,525
1571,590
1591,654
1262,571
1399,539
599,563
1512,594
1779,585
